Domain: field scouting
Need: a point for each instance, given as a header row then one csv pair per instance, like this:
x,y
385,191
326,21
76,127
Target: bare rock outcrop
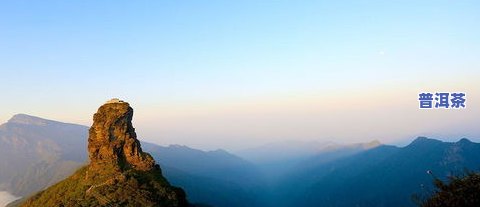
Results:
x,y
113,142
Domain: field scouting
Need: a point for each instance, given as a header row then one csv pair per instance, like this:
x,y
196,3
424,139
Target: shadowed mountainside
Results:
x,y
382,176
119,172
41,152
200,173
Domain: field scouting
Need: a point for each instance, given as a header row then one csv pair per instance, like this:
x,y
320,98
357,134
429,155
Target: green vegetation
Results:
x,y
130,188
459,191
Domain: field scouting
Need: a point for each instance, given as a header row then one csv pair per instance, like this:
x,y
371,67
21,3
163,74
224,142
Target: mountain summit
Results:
x,y
119,172
29,120
113,142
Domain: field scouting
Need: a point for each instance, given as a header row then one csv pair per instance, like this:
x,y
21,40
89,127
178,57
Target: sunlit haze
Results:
x,y
234,75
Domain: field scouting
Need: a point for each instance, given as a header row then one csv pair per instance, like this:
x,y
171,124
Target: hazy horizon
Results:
x,y
235,75
292,142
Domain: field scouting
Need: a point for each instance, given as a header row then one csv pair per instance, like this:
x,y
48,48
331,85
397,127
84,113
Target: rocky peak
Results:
x,y
112,141
119,173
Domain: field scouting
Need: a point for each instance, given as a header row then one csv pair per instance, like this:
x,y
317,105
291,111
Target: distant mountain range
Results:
x,y
381,176
37,153
119,172
216,177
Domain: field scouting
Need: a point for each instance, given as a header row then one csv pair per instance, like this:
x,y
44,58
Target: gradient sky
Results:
x,y
236,74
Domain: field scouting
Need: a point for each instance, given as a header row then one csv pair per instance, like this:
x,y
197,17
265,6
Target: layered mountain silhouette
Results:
x,y
119,172
38,153
201,174
233,181
382,176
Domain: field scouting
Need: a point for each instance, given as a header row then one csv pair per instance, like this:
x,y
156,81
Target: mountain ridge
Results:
x,y
22,118
446,153
118,169
225,189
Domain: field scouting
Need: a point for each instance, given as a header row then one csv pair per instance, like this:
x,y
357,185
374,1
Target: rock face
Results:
x,y
119,172
113,141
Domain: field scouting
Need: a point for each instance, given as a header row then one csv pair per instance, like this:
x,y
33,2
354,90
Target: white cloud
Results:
x,y
6,198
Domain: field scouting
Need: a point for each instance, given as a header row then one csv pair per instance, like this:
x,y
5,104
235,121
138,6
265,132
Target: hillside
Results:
x,y
181,165
233,181
382,176
39,150
119,172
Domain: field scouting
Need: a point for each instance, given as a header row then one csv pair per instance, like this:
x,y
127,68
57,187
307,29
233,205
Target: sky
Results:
x,y
237,74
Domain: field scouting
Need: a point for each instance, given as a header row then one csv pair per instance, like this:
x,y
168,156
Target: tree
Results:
x,y
458,191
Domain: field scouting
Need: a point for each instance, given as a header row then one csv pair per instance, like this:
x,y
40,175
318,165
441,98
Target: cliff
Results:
x,y
119,172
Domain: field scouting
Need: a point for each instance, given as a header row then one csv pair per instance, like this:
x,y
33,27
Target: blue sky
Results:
x,y
235,74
